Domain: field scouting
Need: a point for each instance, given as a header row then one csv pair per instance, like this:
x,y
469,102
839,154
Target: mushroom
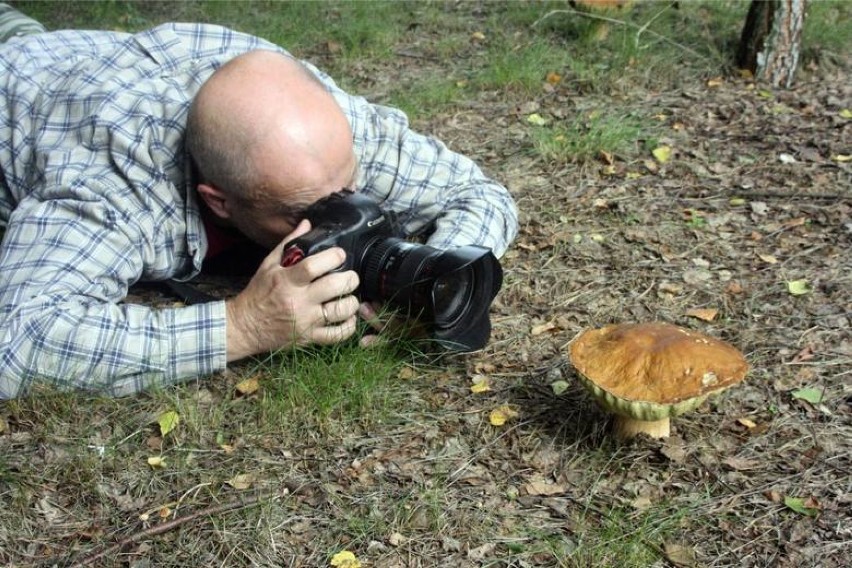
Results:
x,y
647,373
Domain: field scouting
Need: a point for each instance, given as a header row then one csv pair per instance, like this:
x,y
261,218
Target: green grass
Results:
x,y
585,138
345,382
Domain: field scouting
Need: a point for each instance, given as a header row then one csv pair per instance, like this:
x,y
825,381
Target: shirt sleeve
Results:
x,y
65,267
432,189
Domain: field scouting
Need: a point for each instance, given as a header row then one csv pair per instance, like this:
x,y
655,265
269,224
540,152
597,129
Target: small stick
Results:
x,y
92,557
639,29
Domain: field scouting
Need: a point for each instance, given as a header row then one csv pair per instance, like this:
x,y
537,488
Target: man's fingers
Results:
x,y
318,264
335,285
330,334
339,310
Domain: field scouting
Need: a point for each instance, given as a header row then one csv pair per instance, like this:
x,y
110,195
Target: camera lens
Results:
x,y
451,295
450,290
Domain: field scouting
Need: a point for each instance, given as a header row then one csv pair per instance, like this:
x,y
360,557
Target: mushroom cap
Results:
x,y
650,371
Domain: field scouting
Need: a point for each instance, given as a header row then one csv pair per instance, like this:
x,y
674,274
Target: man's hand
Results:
x,y
296,305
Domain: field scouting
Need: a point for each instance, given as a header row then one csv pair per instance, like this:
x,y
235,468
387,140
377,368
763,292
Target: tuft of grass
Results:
x,y
583,139
305,387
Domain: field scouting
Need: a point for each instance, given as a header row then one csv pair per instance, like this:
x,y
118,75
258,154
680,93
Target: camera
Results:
x,y
449,291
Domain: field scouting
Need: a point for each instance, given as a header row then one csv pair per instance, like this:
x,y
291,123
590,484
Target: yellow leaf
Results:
x,y
715,82
542,328
157,462
501,414
248,386
706,314
633,175
406,373
737,201
345,559
747,423
553,78
662,153
798,287
846,113
241,481
168,421
477,36
842,158
536,119
480,384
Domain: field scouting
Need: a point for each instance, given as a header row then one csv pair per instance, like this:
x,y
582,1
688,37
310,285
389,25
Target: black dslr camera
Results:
x,y
448,291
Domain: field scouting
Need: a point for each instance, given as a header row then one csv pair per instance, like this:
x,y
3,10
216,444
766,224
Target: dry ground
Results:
x,y
753,197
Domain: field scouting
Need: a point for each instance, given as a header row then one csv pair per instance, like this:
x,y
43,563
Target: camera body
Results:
x,y
448,291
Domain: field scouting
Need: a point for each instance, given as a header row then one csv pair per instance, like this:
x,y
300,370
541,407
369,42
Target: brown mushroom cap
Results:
x,y
653,370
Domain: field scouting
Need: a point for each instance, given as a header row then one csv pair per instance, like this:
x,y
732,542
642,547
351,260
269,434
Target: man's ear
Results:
x,y
215,199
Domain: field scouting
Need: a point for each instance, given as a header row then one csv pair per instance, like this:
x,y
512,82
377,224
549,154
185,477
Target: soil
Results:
x,y
754,202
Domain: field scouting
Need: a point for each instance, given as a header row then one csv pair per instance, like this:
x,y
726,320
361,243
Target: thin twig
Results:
x,y
640,29
99,553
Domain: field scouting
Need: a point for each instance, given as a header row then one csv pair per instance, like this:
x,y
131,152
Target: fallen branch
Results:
x,y
99,553
639,29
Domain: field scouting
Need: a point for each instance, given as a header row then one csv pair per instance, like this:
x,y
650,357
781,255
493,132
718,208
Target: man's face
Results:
x,y
274,216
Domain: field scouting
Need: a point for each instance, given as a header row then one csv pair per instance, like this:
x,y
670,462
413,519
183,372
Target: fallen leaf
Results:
x,y
480,384
715,82
842,158
741,464
248,386
168,421
500,415
662,153
798,287
480,552
536,119
559,387
3,426
553,78
345,559
542,487
157,462
805,354
808,394
845,113
705,314
407,372
734,288
678,554
767,258
241,481
642,502
802,506
543,328
747,423
477,36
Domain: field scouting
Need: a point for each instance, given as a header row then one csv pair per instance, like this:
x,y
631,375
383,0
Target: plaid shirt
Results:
x,y
96,194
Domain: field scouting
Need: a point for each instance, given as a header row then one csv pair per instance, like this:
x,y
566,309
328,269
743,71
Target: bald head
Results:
x,y
264,129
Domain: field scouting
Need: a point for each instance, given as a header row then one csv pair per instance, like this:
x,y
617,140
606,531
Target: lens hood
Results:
x,y
474,277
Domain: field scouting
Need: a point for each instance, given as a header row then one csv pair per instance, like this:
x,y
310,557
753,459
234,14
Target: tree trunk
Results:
x,y
770,41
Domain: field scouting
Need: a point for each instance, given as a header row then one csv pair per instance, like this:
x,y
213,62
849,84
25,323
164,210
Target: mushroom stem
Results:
x,y
626,428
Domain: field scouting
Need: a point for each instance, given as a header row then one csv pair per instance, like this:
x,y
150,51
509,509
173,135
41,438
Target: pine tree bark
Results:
x,y
771,40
